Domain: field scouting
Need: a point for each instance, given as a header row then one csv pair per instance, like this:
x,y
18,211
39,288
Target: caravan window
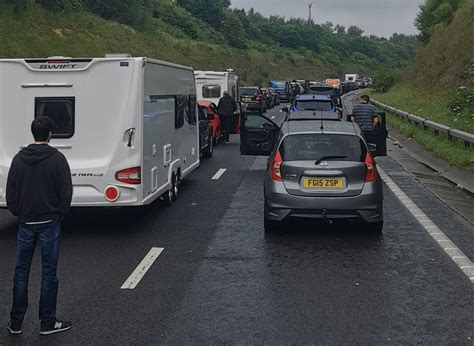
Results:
x,y
211,91
61,110
181,106
191,114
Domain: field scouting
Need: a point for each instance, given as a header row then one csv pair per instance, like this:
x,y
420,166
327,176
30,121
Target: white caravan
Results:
x,y
211,85
127,126
351,77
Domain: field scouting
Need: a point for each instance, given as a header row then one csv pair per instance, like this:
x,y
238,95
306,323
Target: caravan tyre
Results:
x,y
170,196
176,186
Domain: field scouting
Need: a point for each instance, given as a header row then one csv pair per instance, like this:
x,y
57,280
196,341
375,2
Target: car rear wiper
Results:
x,y
329,158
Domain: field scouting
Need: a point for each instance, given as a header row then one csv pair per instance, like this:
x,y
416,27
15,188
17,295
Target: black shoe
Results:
x,y
54,326
14,328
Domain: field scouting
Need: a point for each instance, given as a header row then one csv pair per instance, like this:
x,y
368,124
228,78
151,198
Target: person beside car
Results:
x,y
226,109
363,114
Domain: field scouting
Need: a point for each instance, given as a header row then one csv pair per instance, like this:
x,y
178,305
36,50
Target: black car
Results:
x,y
254,99
206,143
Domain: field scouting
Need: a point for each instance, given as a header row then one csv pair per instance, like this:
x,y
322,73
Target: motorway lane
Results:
x,y
221,279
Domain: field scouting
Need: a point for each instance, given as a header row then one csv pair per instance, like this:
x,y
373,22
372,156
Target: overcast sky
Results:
x,y
379,17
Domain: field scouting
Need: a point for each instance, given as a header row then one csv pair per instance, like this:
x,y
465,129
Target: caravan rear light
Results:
x,y
112,193
130,176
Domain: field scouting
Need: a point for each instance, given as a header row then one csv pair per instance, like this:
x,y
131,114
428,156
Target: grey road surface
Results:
x,y
221,279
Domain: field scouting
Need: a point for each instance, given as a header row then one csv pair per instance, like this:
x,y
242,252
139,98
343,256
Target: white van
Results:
x,y
127,126
211,85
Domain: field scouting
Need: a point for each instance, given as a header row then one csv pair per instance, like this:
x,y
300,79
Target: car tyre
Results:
x,y
374,227
271,226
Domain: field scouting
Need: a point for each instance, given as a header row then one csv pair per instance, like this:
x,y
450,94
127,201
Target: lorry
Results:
x,y
127,125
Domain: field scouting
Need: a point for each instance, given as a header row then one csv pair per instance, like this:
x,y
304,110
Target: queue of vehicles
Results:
x,y
133,128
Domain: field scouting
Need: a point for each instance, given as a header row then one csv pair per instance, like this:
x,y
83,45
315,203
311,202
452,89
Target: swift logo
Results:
x,y
58,66
86,175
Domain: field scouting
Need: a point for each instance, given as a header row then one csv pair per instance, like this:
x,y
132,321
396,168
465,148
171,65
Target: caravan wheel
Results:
x,y
170,196
176,186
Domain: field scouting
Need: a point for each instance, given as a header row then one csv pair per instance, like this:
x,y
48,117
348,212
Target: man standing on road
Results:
x,y
39,192
226,109
363,114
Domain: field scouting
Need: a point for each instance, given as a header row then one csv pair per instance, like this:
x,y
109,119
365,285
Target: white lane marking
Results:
x,y
219,174
456,255
138,274
273,117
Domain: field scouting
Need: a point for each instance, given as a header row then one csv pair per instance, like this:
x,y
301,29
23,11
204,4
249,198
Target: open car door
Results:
x,y
378,136
258,135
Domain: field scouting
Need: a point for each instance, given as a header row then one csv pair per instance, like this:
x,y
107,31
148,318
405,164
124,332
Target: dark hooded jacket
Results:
x,y
227,105
39,186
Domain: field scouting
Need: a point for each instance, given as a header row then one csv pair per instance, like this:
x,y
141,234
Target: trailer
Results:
x,y
127,125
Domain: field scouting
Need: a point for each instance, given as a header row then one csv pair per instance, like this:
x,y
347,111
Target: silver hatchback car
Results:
x,y
317,170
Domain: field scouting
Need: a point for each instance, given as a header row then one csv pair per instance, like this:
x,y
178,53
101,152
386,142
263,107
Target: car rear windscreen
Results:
x,y
211,91
313,105
248,91
61,110
313,147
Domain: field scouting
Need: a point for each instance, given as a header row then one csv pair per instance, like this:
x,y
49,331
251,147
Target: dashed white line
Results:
x,y
138,274
456,255
219,174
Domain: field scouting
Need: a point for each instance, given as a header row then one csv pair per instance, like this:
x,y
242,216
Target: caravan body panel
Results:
x,y
98,107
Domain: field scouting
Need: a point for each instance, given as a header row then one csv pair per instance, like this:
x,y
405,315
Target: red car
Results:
x,y
210,109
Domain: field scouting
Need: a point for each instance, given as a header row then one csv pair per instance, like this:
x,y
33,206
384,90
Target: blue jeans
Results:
x,y
28,235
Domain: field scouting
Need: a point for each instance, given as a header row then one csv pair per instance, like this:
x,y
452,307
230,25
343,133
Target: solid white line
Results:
x,y
138,274
456,255
219,174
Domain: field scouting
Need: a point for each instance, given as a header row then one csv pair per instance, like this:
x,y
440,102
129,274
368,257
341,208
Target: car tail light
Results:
x,y
371,174
130,176
112,193
258,98
275,167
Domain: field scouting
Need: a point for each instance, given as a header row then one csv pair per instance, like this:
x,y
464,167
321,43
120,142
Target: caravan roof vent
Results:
x,y
118,55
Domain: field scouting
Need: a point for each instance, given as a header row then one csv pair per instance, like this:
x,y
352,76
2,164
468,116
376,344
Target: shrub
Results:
x,y
385,78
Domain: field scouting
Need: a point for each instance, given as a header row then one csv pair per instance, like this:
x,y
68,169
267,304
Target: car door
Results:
x,y
258,135
378,136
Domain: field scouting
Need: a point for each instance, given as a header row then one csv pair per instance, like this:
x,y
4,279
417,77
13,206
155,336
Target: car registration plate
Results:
x,y
247,99
323,183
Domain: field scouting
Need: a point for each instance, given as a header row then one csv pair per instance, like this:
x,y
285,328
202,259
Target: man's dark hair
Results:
x,y
41,127
365,98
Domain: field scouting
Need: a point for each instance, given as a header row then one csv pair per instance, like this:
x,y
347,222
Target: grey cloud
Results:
x,y
379,17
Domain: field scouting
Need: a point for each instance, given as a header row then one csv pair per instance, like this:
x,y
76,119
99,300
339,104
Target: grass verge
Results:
x,y
452,151
428,103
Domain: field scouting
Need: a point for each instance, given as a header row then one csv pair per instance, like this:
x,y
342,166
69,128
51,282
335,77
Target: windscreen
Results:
x,y
248,91
279,85
314,147
313,105
321,91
